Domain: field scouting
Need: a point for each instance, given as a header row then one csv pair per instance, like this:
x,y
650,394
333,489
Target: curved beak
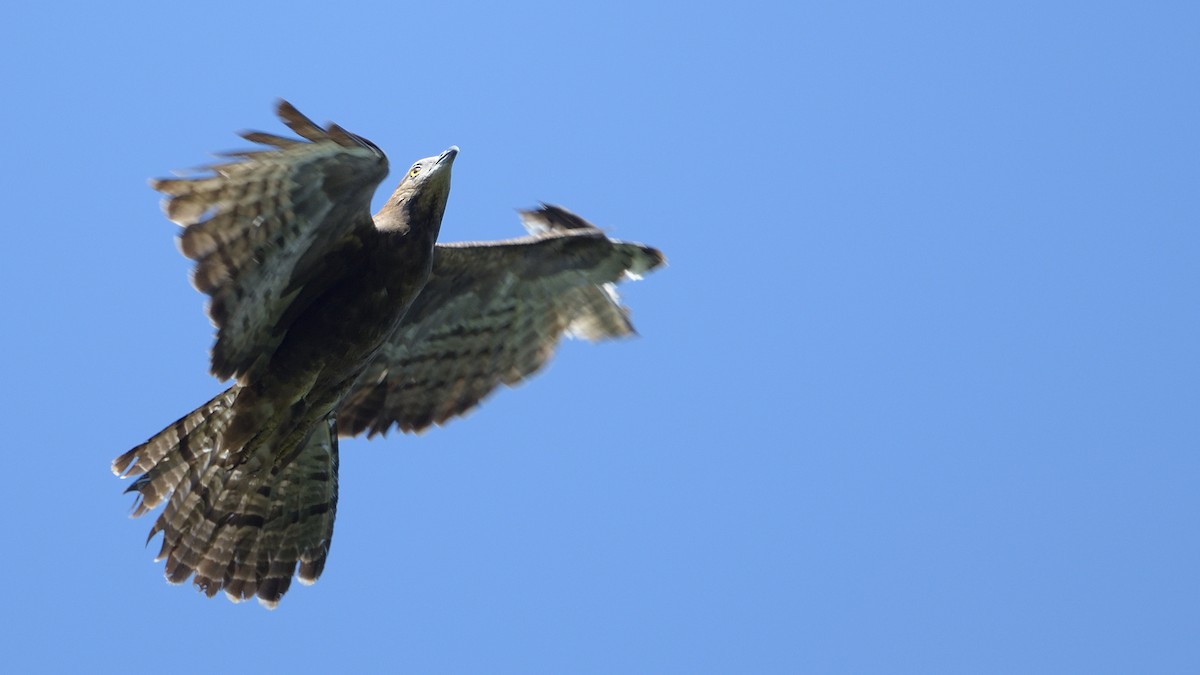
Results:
x,y
448,156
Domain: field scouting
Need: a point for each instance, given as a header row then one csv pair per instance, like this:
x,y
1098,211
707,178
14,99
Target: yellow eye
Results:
x,y
412,173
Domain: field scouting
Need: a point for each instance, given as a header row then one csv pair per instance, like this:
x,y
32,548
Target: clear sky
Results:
x,y
918,392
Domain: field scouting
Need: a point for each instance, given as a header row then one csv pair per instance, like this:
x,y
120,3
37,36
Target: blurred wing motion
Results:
x,y
492,313
261,227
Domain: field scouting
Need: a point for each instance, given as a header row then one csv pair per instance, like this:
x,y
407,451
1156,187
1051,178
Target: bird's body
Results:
x,y
328,344
367,284
332,320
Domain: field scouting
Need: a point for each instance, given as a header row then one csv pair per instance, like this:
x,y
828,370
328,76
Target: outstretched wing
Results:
x,y
493,313
265,225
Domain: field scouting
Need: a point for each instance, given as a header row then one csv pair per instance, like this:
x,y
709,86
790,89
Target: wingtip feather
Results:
x,y
298,122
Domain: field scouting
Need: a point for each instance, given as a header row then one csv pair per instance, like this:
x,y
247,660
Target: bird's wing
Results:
x,y
266,223
493,313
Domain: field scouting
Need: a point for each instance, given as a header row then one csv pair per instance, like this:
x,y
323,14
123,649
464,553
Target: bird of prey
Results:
x,y
333,322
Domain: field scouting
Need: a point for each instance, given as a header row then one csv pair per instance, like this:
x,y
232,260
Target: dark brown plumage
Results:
x,y
334,322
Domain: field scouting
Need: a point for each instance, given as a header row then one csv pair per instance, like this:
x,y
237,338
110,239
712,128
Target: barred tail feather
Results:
x,y
289,524
235,528
162,462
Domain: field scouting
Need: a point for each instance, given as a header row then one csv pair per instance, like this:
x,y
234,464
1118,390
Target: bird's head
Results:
x,y
421,195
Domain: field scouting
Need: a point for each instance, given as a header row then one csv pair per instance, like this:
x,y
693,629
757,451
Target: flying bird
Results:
x,y
333,322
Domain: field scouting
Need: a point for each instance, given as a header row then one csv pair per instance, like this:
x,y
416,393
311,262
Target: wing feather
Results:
x,y
493,313
260,228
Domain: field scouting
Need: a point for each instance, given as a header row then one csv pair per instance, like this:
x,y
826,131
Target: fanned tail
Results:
x,y
235,527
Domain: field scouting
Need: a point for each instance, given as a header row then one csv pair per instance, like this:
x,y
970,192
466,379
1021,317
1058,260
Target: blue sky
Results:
x,y
917,393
